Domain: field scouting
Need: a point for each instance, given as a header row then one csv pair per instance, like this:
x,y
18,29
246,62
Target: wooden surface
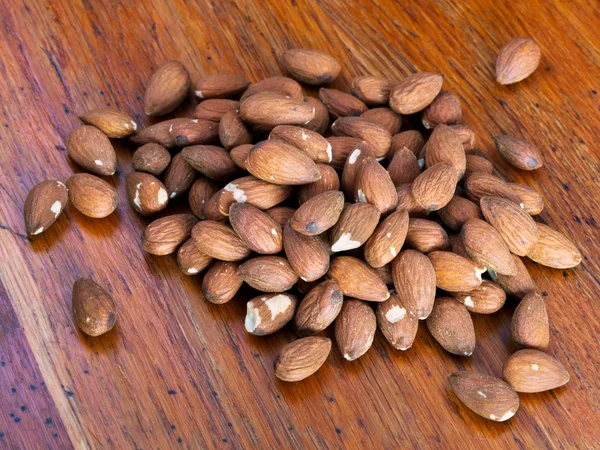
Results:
x,y
179,371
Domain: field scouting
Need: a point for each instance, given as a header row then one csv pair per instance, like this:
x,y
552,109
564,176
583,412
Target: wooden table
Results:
x,y
179,371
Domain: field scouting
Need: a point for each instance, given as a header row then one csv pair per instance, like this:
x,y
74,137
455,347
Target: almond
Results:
x,y
385,273
329,181
232,131
518,153
340,104
219,241
302,358
457,246
215,108
397,324
477,164
482,184
415,93
407,201
222,85
435,187
164,235
518,285
190,260
210,160
485,246
257,230
240,154
194,132
179,176
377,136
410,139
146,193
280,163
200,192
374,185
212,207
342,147
167,88
487,396
352,166
281,214
253,191
403,167
444,109
451,326
310,66
385,117
44,203
112,122
320,121
90,148
414,281
387,239
444,146
516,227
358,280
355,225
159,133
517,59
355,329
454,273
530,199
466,135
268,274
269,313
554,249
92,196
221,282
265,110
311,142
94,310
486,299
151,158
319,308
534,371
530,326
281,85
371,89
308,255
319,213
426,236
458,211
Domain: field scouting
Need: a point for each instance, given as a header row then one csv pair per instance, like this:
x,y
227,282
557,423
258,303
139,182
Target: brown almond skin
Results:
x,y
404,167
151,158
319,213
385,273
397,324
190,260
257,230
239,155
530,327
410,139
435,187
355,225
518,153
426,236
415,92
320,121
268,274
159,133
44,203
269,313
146,193
341,148
488,298
90,148
476,163
384,117
533,371
487,396
458,211
451,326
341,104
302,358
518,285
329,181
253,191
281,85
372,90
219,241
466,135
163,236
280,163
92,196
222,85
200,192
407,201
319,308
387,239
482,184
308,255
352,167
167,88
265,110
211,161
516,227
517,59
356,279
310,66
215,108
377,136
281,214
454,273
232,131
213,209
444,146
374,185
112,122
221,282
179,176
94,310
486,247
414,280
194,132
530,199
554,249
355,329
445,109
311,142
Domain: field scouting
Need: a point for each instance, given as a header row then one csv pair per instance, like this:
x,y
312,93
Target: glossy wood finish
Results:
x,y
177,370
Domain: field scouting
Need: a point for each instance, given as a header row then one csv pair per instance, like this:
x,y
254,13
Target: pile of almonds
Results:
x,y
362,224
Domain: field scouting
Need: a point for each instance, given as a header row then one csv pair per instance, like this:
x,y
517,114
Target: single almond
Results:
x,y
341,148
410,139
308,255
486,299
112,122
302,358
385,117
44,203
444,146
215,108
533,371
355,225
310,66
518,153
320,121
415,92
355,329
240,154
426,236
269,313
222,85
407,201
466,135
454,273
194,132
377,136
518,285
529,199
475,163
414,280
329,181
458,211
219,241
211,161
351,168
200,192
167,88
221,282
397,324
92,196
190,260
404,167
341,104
371,89
179,176
517,59
311,142
253,191
444,109
257,230
265,110
435,187
319,213
232,131
374,185
159,133
151,158
281,85
451,326
268,274
146,193
281,214
530,326
319,308
486,247
94,310
163,236
387,239
481,184
90,148
356,279
554,249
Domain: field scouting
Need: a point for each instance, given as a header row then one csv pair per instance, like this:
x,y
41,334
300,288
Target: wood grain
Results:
x,y
177,370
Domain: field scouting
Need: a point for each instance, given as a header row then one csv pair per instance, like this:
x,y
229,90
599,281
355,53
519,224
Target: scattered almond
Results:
x,y
94,310
435,187
308,255
310,66
414,280
486,299
221,282
454,273
44,203
518,285
355,225
319,213
485,246
90,148
163,236
519,153
222,85
302,358
451,326
426,236
167,88
215,108
112,122
92,196
517,59
356,279
445,109
269,313
190,260
319,308
385,242
151,158
397,324
530,326
311,142
257,230
554,249
219,241
355,329
415,93
211,161
534,371
179,176
268,274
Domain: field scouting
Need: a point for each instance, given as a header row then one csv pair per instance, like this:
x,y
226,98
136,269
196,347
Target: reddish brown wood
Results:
x,y
177,369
